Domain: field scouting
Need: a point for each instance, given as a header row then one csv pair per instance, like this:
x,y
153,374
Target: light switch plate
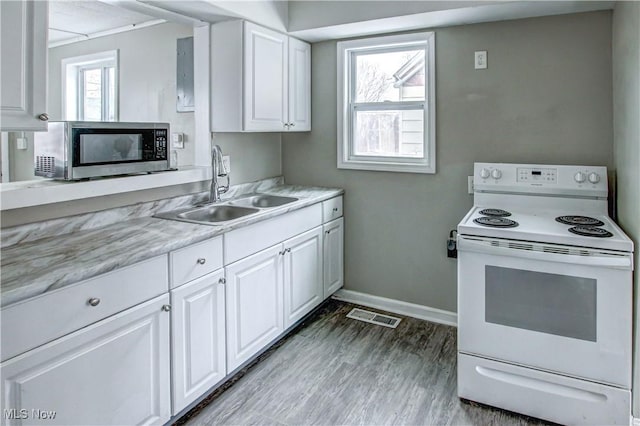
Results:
x,y
481,59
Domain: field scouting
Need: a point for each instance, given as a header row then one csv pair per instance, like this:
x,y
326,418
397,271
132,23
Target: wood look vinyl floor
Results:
x,y
332,370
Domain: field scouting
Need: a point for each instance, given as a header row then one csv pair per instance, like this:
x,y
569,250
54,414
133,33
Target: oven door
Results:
x,y
561,309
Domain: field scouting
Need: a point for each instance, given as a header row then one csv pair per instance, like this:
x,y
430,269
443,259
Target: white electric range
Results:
x,y
545,295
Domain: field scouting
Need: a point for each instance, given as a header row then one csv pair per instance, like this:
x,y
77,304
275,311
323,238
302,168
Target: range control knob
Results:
x,y
485,173
496,174
580,177
594,177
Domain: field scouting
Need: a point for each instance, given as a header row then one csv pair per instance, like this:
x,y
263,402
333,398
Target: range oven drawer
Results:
x,y
540,394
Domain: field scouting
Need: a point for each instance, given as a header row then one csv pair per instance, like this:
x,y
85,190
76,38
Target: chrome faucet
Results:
x,y
218,170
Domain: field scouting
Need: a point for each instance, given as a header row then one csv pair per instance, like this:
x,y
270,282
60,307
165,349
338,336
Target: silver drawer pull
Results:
x,y
335,209
202,261
222,281
94,301
166,308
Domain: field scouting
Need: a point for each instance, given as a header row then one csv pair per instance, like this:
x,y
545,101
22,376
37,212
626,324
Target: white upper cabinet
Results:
x,y
260,80
265,79
23,45
299,85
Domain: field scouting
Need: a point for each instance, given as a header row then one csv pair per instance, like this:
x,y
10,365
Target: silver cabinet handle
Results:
x,y
202,261
44,117
281,253
286,125
94,301
222,281
288,250
326,232
335,209
166,308
292,124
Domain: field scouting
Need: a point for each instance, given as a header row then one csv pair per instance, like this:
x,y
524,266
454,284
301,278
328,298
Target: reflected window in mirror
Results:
x,y
90,87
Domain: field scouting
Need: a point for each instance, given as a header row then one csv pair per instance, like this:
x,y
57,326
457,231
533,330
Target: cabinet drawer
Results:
x,y
195,261
331,209
34,322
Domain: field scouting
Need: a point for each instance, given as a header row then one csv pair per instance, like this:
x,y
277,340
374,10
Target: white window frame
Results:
x,y
347,50
72,75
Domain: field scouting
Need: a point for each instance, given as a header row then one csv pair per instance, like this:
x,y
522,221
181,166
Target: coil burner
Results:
x,y
496,222
495,212
591,231
579,220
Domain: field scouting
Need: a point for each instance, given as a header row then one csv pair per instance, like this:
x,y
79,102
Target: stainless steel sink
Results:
x,y
210,214
230,211
263,201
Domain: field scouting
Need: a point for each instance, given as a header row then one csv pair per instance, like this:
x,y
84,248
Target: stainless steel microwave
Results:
x,y
72,150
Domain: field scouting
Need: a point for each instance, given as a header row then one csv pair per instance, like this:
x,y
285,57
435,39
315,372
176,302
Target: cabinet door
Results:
x,y
113,372
333,256
254,304
302,275
299,85
197,338
265,79
23,45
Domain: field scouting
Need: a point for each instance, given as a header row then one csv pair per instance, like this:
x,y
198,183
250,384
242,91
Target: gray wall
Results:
x,y
626,135
545,98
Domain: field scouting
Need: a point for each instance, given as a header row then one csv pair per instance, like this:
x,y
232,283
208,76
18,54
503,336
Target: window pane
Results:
x,y
389,133
111,100
392,76
92,94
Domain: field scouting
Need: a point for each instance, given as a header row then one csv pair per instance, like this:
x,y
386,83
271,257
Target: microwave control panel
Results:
x,y
161,144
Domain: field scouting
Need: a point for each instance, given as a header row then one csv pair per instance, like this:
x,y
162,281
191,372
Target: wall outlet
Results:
x,y
470,184
21,143
226,160
480,60
177,140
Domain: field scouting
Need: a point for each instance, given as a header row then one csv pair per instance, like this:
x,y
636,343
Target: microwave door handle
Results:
x,y
483,246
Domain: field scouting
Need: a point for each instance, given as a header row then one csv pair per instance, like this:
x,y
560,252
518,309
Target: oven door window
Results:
x,y
548,303
112,146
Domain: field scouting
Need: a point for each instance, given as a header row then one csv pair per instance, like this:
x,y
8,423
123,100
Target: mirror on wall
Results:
x,y
106,63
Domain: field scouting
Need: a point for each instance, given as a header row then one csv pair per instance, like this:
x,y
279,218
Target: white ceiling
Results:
x,y
75,20
71,21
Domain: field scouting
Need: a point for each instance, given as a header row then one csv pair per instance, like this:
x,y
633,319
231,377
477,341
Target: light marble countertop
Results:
x,y
34,267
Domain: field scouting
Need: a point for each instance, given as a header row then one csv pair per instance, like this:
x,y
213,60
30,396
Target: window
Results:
x,y
386,103
90,87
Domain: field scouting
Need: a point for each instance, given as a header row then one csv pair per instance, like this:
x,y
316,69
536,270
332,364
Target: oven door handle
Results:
x,y
622,261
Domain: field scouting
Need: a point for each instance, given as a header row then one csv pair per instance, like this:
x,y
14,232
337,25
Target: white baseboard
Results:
x,y
635,421
398,307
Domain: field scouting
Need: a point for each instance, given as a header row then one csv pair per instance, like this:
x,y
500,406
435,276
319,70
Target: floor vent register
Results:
x,y
374,318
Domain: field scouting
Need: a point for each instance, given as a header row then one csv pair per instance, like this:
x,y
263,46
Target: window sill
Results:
x,y
387,167
32,193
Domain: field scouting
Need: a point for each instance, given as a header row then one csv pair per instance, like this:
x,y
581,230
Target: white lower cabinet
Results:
x,y
303,289
197,338
115,371
254,304
333,247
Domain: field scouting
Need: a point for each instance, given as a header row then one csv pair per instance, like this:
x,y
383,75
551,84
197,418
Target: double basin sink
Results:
x,y
229,211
